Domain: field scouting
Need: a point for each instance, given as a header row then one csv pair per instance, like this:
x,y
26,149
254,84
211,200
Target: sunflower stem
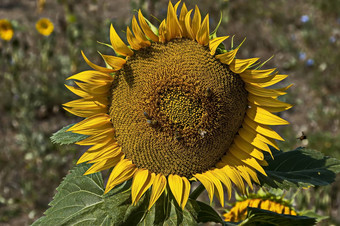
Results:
x,y
194,195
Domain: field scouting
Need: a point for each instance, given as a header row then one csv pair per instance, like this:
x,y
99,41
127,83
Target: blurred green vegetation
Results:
x,y
304,37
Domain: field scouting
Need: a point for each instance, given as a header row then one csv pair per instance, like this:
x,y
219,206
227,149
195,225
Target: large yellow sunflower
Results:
x,y
170,110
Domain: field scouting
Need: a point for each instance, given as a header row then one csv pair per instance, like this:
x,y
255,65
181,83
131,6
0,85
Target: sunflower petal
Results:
x,y
123,171
78,91
262,92
248,148
158,187
276,79
202,36
176,187
214,43
143,41
85,112
262,116
207,183
118,45
134,43
97,138
262,129
268,102
196,22
240,65
96,67
141,182
218,189
114,62
225,180
92,77
162,32
104,165
145,27
182,15
173,28
188,25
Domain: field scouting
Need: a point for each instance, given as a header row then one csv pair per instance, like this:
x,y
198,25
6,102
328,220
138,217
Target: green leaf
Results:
x,y
299,168
257,216
64,137
80,201
206,213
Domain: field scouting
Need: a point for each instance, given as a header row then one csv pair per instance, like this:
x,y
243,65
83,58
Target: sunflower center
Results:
x,y
181,109
175,108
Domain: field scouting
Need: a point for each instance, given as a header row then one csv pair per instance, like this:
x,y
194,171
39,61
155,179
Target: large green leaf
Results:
x,y
299,168
64,137
80,201
262,217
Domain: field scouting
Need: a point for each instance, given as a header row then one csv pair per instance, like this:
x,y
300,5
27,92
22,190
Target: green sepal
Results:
x,y
214,33
257,216
66,137
110,46
154,29
299,168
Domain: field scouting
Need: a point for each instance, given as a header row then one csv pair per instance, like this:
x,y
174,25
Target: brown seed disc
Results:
x,y
175,108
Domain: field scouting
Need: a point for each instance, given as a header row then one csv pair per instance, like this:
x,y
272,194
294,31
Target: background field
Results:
x,y
303,36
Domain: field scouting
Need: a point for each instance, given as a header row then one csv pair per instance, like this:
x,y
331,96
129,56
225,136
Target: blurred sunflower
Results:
x,y
44,26
6,30
268,202
170,110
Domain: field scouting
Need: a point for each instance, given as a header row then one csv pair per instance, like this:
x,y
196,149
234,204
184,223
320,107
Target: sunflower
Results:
x,y
172,108
269,202
6,30
44,26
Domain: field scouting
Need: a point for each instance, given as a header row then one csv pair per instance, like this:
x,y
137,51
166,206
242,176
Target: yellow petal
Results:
x,y
104,165
227,57
276,79
182,15
143,41
202,36
235,177
173,28
111,152
196,22
176,187
145,27
134,43
96,67
214,43
262,92
246,158
253,74
98,90
162,32
77,91
209,186
115,62
253,140
85,112
262,116
225,180
242,169
91,122
188,25
141,182
240,65
218,189
88,103
123,171
256,80
94,77
248,148
268,102
186,191
262,129
158,187
97,138
118,45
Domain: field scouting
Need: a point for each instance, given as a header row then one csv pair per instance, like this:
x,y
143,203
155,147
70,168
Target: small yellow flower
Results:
x,y
6,30
44,26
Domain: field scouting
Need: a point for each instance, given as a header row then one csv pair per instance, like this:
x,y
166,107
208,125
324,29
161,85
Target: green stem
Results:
x,y
194,195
